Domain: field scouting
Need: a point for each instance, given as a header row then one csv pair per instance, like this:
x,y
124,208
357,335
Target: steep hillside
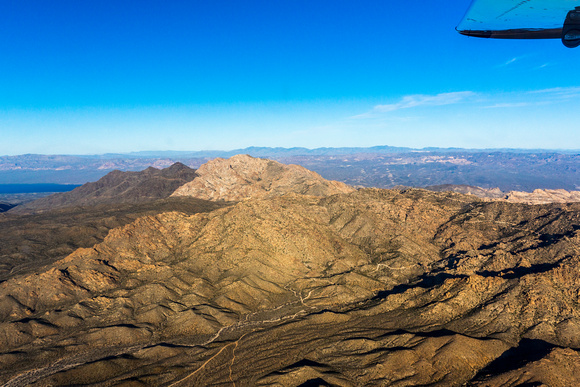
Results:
x,y
30,241
118,187
242,176
370,287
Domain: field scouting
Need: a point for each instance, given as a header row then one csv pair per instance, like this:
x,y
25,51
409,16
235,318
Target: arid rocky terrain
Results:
x,y
537,196
244,177
257,273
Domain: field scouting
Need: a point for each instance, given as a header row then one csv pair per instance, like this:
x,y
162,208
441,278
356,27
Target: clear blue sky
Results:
x,y
82,77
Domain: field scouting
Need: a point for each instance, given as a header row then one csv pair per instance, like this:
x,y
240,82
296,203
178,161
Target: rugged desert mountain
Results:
x,y
242,176
538,196
369,287
118,187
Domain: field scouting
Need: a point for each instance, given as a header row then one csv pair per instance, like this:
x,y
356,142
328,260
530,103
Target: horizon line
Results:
x,y
265,148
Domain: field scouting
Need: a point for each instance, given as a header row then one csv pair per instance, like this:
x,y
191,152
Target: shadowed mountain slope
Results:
x,y
370,287
242,176
118,187
30,241
5,206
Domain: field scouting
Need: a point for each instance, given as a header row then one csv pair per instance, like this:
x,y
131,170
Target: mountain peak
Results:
x,y
243,176
119,187
177,167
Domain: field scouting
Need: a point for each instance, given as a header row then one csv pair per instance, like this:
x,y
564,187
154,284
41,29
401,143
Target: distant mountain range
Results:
x,y
380,166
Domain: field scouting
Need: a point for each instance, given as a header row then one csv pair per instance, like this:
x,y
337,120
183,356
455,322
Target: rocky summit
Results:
x,y
368,287
242,176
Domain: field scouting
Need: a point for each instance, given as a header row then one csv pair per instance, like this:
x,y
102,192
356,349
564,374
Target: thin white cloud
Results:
x,y
509,62
533,97
507,100
516,60
508,105
559,92
417,100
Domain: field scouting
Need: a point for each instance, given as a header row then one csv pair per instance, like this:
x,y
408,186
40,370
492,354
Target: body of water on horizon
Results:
x,y
33,188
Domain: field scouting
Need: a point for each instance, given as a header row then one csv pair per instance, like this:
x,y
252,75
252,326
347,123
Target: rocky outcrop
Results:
x,y
543,196
118,187
370,287
242,176
484,193
538,196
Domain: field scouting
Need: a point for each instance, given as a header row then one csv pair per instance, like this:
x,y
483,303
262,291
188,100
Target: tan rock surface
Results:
x,y
543,196
242,176
371,287
31,241
554,367
538,196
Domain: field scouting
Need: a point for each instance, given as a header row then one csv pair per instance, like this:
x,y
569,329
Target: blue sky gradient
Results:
x,y
82,77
